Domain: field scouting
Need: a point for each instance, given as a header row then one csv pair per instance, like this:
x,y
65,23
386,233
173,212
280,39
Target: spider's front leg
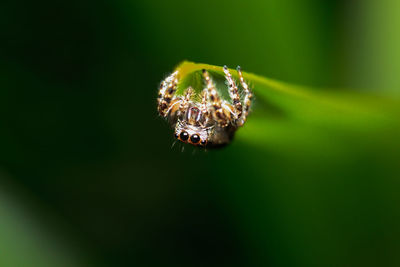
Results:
x,y
248,96
166,98
234,94
219,110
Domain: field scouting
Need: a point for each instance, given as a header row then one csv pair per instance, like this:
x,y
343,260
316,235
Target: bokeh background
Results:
x,y
88,176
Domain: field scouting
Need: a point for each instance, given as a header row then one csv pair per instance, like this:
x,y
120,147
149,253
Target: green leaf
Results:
x,y
292,119
312,173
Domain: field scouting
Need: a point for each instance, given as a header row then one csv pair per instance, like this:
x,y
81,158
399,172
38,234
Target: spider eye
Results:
x,y
176,135
203,142
195,139
184,136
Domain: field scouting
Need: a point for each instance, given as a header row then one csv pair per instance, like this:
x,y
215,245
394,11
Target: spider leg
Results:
x,y
234,94
248,96
204,106
173,107
218,107
184,103
166,94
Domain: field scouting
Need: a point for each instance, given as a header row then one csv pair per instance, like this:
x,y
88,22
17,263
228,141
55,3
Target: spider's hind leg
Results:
x,y
204,107
218,108
184,103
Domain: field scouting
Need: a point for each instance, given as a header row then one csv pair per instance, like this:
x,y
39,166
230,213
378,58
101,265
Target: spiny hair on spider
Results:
x,y
205,119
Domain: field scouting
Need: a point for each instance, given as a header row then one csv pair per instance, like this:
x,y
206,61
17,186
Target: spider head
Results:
x,y
197,135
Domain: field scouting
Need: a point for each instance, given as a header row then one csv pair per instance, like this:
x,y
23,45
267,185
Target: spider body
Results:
x,y
210,122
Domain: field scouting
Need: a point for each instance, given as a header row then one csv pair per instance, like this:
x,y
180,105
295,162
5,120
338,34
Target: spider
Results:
x,y
210,122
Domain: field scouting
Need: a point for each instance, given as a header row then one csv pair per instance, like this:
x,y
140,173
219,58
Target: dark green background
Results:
x,y
88,176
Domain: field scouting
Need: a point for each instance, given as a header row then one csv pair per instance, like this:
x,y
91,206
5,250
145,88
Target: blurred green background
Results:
x,y
88,176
